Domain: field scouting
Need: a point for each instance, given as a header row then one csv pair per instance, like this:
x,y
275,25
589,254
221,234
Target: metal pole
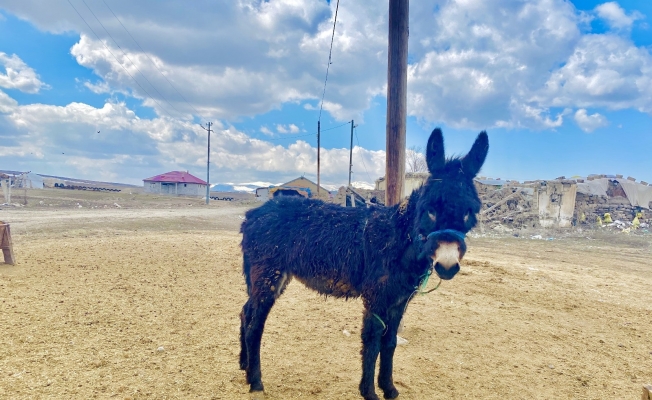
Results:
x,y
208,167
318,151
351,154
208,163
396,100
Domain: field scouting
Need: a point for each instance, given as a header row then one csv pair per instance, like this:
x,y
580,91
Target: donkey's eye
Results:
x,y
433,217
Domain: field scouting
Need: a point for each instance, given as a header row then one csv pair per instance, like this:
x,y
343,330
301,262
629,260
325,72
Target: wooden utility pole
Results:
x,y
351,154
208,164
396,100
318,151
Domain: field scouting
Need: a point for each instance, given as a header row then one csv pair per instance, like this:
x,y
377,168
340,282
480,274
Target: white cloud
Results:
x,y
479,63
266,131
589,123
291,128
19,75
616,16
605,71
7,104
112,143
473,64
98,88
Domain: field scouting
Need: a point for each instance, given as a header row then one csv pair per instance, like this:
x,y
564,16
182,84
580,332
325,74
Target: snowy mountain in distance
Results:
x,y
331,188
358,185
250,187
363,185
247,187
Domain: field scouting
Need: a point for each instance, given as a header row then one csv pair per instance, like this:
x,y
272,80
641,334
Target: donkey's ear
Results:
x,y
473,161
435,151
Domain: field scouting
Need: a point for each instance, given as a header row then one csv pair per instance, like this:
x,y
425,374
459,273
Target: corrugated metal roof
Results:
x,y
176,177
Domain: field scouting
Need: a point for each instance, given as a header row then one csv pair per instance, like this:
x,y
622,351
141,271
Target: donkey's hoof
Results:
x,y
256,387
391,393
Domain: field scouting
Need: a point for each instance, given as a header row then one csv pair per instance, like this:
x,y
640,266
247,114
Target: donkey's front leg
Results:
x,y
372,331
387,347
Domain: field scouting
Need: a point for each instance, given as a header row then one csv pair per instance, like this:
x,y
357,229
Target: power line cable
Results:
x,y
133,63
330,54
309,134
152,61
116,58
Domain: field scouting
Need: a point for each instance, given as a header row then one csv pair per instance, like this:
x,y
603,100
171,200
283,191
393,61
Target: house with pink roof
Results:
x,y
176,183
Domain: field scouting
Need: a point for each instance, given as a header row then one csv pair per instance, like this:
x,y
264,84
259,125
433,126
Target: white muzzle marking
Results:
x,y
447,255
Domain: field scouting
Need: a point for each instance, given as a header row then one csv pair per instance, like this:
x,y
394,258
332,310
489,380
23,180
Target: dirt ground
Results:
x,y
143,302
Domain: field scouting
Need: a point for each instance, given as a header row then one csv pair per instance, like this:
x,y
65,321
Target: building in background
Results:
x,y
175,183
413,180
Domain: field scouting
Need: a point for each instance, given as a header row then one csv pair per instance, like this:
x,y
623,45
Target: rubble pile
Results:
x,y
508,205
365,195
590,207
598,201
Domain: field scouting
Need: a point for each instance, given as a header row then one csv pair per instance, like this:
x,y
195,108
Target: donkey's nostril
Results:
x,y
447,273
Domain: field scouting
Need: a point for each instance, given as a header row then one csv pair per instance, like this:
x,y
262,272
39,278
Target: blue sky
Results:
x,y
117,94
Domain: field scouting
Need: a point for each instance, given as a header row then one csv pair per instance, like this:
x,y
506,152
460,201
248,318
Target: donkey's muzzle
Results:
x,y
446,249
447,273
447,259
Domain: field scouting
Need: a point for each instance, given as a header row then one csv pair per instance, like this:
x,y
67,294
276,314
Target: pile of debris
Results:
x,y
348,196
598,201
508,205
606,201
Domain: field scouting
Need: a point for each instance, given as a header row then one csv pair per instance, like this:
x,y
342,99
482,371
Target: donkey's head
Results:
x,y
448,203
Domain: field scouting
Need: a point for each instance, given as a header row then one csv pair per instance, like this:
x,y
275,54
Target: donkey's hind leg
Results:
x,y
266,286
260,308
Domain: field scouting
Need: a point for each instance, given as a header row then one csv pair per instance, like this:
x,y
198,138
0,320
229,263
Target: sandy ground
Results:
x,y
143,303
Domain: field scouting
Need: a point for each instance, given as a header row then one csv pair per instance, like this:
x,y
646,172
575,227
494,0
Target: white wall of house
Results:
x,y
412,181
262,194
175,189
556,203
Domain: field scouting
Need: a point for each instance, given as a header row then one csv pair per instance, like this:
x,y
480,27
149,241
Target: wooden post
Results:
x,y
396,100
5,244
647,392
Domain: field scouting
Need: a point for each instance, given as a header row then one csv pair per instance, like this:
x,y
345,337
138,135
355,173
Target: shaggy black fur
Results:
x,y
378,253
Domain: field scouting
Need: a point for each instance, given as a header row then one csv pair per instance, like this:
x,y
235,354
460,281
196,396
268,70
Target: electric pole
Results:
x,y
318,151
208,163
396,100
351,155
